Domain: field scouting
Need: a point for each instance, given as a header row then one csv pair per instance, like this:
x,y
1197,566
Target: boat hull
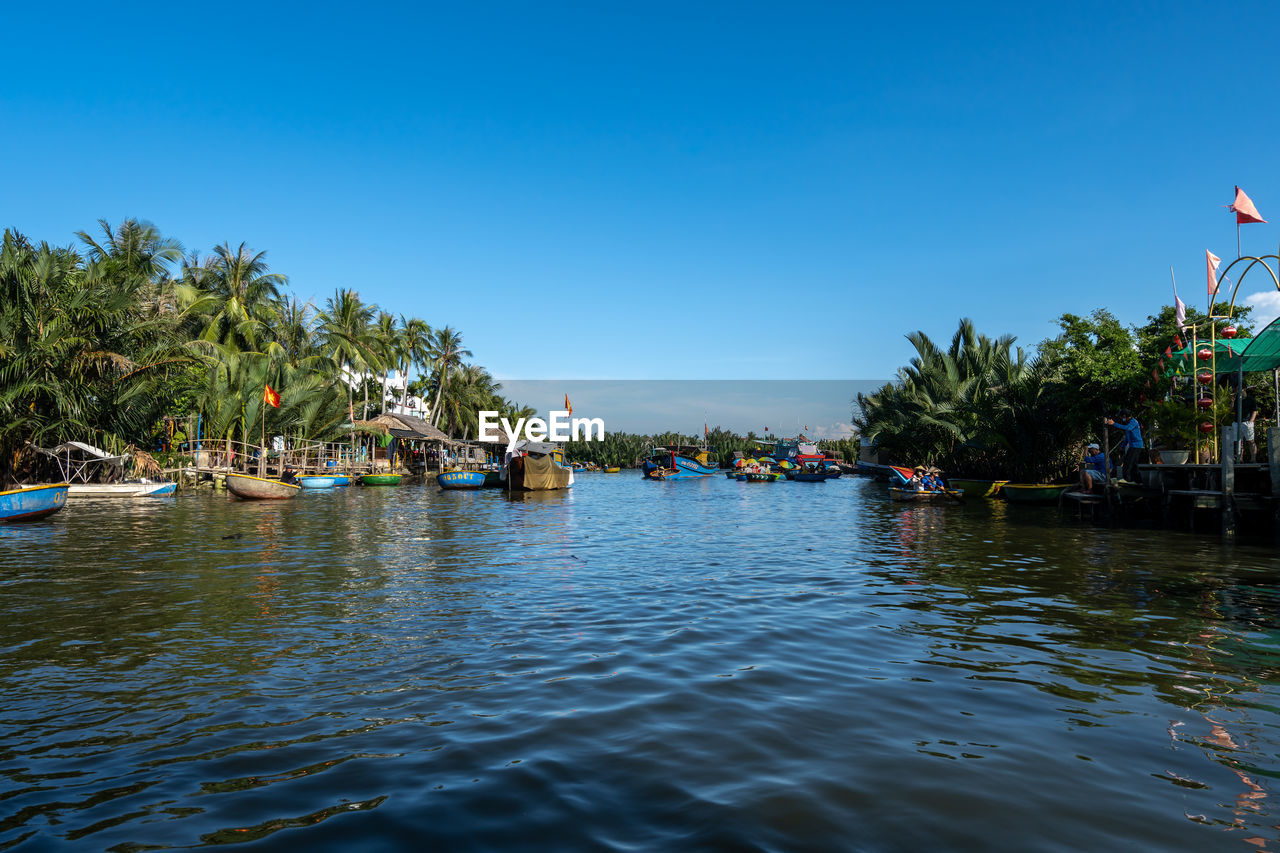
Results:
x,y
685,469
978,488
121,490
341,479
1024,493
33,503
322,481
807,477
539,475
259,489
461,479
381,479
952,495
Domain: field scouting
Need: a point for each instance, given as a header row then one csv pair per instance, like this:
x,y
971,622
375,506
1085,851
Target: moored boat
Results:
x,y
317,481
341,479
460,479
381,479
807,476
132,489
678,462
260,489
1030,493
612,470
538,466
32,503
977,488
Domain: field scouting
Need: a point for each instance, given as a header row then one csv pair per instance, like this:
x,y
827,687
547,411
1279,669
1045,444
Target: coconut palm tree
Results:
x,y
447,351
344,338
415,339
236,295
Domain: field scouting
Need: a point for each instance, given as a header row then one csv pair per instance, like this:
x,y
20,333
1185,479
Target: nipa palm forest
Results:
x,y
116,338
983,407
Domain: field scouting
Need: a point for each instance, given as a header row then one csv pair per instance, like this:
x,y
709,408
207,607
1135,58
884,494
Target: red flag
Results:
x,y
1244,209
1211,262
1177,342
1168,351
270,396
1155,376
705,431
567,404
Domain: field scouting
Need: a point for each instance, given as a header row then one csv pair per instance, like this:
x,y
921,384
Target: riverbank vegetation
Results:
x,y
111,338
983,407
628,449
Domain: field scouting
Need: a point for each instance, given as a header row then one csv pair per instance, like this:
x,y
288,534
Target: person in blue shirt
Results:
x,y
1093,468
1131,442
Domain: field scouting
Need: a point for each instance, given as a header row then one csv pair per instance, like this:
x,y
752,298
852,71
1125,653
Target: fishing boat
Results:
x,y
537,466
612,470
763,476
341,479
260,489
32,502
493,478
1033,493
460,479
977,488
381,479
807,476
678,462
317,481
128,489
948,495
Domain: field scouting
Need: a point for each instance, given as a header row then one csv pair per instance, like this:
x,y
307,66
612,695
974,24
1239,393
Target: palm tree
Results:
x,y
415,338
236,294
446,349
344,337
386,342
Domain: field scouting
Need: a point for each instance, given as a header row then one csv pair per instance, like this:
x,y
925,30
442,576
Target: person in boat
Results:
x,y
916,483
932,482
1093,467
1131,443
288,475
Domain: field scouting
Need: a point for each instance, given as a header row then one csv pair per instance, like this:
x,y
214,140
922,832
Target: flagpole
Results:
x,y
1238,253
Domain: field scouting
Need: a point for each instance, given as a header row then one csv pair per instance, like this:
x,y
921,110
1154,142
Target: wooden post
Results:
x,y
1106,468
1228,488
1273,467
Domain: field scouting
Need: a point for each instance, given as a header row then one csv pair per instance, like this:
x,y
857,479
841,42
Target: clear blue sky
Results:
x,y
840,174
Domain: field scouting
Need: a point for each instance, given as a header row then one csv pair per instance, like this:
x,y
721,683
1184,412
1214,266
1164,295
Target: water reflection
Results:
x,y
632,664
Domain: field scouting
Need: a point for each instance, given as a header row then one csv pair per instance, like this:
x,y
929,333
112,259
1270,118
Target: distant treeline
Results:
x,y
625,450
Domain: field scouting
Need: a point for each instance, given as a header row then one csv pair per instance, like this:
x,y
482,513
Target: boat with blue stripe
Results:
x,y
678,462
460,479
31,503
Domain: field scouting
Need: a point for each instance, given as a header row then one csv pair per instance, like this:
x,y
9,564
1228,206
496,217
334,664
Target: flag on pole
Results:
x,y
1177,339
1180,315
1211,262
271,397
567,404
705,431
1244,209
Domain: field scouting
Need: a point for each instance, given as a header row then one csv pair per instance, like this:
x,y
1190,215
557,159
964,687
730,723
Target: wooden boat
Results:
x,y
807,476
135,489
32,502
977,488
613,470
538,466
948,496
259,489
381,479
678,462
1033,493
460,479
761,477
317,481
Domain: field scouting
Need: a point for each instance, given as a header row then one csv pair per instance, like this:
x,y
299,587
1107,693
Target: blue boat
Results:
x,y
32,503
341,479
317,481
679,462
461,479
807,476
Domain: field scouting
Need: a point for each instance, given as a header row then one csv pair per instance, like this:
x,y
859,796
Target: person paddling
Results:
x,y
1131,443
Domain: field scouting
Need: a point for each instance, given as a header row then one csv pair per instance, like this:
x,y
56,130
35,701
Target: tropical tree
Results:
x,y
447,351
345,339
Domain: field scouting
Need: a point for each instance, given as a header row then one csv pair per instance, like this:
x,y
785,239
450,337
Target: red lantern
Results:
x,y
1204,354
1229,332
1204,377
1206,426
1205,403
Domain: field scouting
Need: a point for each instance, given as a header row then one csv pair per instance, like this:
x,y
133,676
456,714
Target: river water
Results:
x,y
632,665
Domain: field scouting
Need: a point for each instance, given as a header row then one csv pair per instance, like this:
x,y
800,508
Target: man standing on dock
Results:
x,y
1131,443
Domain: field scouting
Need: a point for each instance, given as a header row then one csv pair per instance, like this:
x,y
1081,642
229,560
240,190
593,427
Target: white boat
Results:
x,y
134,489
80,463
